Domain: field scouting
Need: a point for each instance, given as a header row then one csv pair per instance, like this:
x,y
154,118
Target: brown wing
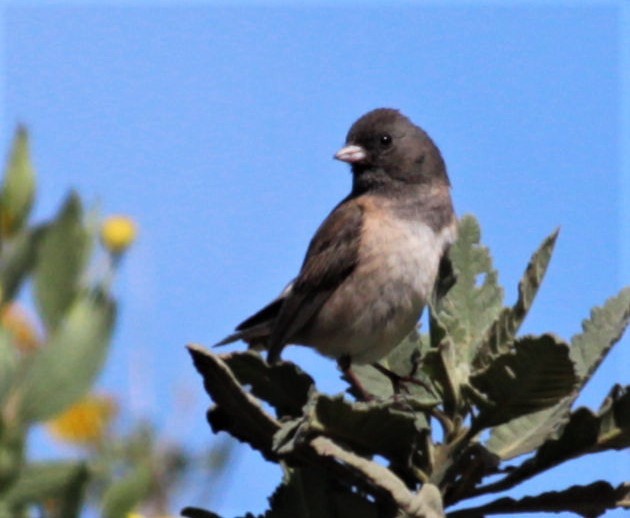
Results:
x,y
331,256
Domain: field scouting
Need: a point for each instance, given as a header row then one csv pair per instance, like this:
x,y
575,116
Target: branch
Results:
x,y
240,413
427,503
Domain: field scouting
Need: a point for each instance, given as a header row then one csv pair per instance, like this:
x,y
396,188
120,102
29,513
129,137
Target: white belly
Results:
x,y
382,300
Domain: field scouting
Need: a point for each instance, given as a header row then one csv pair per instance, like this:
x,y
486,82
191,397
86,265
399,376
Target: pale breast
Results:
x,y
381,301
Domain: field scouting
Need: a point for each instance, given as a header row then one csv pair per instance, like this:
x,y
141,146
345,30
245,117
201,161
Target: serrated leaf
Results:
x,y
124,494
586,432
236,410
369,428
8,364
536,375
46,480
64,370
614,420
600,332
283,385
588,501
502,332
474,302
61,258
18,187
526,433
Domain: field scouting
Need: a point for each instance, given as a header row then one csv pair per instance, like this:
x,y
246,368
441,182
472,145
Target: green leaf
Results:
x,y
501,334
17,259
526,433
18,188
600,332
375,383
536,375
283,385
12,452
586,432
8,364
126,493
237,411
405,360
61,259
474,302
368,428
614,420
39,482
64,370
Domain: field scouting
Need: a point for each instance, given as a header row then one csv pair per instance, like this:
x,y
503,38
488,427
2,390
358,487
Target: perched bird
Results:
x,y
373,263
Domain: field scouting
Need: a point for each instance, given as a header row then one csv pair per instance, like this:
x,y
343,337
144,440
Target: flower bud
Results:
x,y
117,233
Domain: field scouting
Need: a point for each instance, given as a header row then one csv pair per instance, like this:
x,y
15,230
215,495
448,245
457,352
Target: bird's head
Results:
x,y
385,149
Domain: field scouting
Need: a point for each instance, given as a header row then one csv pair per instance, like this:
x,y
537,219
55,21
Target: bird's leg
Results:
x,y
344,363
397,380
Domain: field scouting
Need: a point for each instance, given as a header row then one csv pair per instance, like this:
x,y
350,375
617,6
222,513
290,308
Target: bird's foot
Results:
x,y
398,381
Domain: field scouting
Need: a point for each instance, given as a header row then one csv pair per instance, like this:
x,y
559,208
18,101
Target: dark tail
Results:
x,y
255,330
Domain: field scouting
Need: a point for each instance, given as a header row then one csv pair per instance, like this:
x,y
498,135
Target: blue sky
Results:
x,y
214,127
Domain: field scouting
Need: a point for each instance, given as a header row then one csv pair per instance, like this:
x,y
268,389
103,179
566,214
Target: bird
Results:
x,y
375,261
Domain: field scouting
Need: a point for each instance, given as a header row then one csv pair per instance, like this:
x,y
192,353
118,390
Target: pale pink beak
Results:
x,y
351,154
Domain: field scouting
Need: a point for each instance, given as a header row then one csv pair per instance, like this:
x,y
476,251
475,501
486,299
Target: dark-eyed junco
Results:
x,y
372,264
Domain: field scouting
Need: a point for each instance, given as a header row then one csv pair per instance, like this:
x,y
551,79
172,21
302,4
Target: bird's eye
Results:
x,y
386,140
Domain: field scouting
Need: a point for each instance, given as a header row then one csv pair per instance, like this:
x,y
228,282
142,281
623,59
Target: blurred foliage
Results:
x,y
480,402
49,361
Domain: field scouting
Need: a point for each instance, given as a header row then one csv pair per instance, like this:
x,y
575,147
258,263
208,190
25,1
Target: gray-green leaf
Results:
x,y
536,375
600,332
124,494
41,481
8,364
585,432
501,334
284,385
64,370
526,433
474,302
369,428
17,259
588,350
18,188
61,259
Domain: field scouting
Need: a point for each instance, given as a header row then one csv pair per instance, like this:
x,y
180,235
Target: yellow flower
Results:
x,y
117,233
85,422
21,327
